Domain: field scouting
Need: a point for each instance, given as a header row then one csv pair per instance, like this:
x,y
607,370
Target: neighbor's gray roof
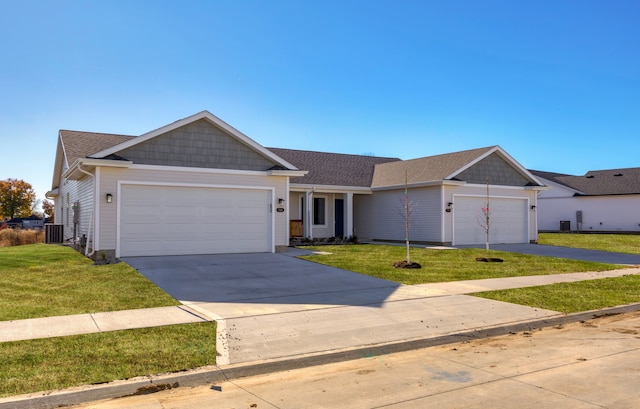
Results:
x,y
599,182
78,144
427,169
332,169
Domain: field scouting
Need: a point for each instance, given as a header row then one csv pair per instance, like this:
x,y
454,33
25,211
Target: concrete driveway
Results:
x,y
274,306
260,278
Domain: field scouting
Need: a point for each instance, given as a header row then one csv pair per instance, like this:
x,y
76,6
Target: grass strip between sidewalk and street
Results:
x,y
443,265
44,280
54,363
573,297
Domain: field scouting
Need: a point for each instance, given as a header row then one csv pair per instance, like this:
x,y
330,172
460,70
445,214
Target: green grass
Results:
x,y
47,280
620,243
574,297
41,280
53,363
444,265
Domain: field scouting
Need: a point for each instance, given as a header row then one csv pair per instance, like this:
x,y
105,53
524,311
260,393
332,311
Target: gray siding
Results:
x,y
381,216
497,169
198,145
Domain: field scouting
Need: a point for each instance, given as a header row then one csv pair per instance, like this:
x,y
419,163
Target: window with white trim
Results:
x,y
319,211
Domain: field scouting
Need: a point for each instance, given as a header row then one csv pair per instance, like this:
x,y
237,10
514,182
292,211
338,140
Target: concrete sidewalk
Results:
x,y
48,327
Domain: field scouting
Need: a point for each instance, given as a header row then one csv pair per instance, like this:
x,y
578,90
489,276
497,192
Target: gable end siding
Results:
x,y
498,170
197,145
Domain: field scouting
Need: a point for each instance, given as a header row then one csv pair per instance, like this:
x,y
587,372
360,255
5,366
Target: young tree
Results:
x,y
406,209
484,218
16,198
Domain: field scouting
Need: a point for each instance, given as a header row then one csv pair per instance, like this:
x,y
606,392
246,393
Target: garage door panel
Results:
x,y
158,220
507,222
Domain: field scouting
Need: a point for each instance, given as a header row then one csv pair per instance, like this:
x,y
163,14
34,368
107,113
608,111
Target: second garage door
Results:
x,y
508,220
169,220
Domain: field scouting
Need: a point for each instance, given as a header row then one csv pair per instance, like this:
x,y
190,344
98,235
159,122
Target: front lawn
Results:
x,y
54,363
618,243
42,280
444,265
47,280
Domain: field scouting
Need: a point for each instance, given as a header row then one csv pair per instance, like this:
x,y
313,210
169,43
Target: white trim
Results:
x,y
190,119
299,187
325,197
421,184
293,173
272,245
96,208
443,215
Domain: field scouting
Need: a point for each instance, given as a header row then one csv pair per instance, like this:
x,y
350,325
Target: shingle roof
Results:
x,y
599,182
332,169
427,169
78,144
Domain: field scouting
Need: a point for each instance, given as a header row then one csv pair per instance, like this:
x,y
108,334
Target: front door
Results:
x,y
339,211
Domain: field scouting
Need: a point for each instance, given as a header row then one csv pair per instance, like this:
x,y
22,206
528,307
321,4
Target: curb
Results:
x,y
213,374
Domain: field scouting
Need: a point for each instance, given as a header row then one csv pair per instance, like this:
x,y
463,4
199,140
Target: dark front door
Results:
x,y
339,226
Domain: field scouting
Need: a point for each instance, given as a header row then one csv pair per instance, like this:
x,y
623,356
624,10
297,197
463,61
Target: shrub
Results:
x,y
18,237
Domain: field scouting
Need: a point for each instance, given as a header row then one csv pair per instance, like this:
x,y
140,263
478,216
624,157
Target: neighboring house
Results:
x,y
199,186
599,201
31,222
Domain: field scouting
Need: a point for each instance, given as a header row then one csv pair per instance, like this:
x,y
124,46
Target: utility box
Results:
x,y
53,233
565,225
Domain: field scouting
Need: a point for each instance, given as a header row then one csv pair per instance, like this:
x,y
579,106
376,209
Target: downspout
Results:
x,y
91,221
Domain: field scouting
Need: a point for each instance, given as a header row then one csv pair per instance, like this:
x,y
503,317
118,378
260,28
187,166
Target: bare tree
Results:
x,y
484,218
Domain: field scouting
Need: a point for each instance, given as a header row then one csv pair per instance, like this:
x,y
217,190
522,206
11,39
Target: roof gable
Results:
x,y
199,118
198,144
332,169
471,166
495,170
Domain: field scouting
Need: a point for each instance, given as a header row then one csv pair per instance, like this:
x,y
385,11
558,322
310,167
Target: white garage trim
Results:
x,y
269,198
509,219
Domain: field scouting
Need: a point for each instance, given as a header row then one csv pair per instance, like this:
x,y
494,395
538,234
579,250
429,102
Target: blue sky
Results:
x,y
554,83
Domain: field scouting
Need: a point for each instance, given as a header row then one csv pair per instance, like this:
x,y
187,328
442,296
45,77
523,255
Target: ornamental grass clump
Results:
x,y
19,237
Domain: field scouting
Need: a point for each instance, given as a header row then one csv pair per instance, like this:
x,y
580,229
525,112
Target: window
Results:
x,y
319,211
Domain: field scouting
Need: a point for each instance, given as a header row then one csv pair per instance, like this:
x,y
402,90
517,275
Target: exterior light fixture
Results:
x,y
280,201
109,198
533,207
449,206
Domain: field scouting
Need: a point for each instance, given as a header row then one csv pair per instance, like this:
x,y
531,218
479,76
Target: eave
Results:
x,y
287,172
300,187
75,171
421,184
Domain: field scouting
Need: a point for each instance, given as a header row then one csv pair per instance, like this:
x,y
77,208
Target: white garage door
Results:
x,y
168,220
508,220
